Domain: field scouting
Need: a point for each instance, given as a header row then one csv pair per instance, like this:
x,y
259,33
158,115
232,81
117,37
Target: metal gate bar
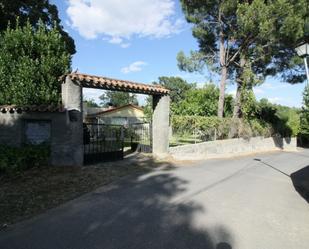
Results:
x,y
102,142
141,135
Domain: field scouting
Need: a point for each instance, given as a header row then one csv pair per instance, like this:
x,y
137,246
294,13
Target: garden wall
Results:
x,y
58,129
231,147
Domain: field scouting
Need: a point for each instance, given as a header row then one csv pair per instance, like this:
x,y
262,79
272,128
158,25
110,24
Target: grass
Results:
x,y
36,190
182,140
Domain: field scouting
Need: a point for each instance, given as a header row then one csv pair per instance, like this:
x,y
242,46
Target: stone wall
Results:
x,y
231,147
66,146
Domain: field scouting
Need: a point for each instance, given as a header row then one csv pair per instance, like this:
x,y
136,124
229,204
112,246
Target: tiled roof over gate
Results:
x,y
105,83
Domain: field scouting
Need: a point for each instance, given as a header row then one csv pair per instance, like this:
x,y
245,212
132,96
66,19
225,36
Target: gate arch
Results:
x,y
72,100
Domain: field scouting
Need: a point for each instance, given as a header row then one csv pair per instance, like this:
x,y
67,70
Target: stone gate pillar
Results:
x,y
72,147
160,125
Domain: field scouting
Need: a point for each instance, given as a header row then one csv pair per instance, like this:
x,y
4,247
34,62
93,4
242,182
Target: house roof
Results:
x,y
100,82
115,110
31,108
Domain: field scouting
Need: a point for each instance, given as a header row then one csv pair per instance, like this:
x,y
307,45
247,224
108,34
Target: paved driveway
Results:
x,y
239,203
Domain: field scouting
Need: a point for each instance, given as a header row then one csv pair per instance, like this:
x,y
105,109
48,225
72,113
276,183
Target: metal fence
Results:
x,y
139,137
182,135
196,136
103,142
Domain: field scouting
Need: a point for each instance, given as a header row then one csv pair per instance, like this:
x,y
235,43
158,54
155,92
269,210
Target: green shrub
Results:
x,y
13,159
31,62
210,128
284,120
188,124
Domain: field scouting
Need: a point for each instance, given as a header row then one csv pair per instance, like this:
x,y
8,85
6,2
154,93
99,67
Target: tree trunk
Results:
x,y
222,91
237,105
239,80
223,69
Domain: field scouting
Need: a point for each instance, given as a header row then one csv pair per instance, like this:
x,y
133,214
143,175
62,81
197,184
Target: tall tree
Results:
x,y
267,32
248,39
213,27
31,62
33,11
118,98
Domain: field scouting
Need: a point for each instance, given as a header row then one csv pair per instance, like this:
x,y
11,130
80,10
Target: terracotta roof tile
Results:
x,y
31,108
106,83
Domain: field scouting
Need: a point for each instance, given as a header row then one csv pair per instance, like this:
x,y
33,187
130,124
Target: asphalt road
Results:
x,y
239,203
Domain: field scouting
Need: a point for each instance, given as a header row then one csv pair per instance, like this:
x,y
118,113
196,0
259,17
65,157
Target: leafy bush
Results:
x,y
31,61
218,128
13,159
284,120
202,102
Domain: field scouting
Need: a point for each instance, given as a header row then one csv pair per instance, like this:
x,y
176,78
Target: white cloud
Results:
x,y
119,20
134,67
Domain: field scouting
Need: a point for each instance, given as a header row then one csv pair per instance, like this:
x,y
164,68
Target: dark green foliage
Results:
x,y
284,120
262,32
178,87
268,31
304,119
13,160
33,11
305,113
31,62
118,98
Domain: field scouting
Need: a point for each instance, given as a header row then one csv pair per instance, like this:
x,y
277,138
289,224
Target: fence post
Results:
x,y
160,125
72,150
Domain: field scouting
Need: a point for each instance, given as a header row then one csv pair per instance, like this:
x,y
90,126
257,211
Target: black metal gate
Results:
x,y
141,137
103,142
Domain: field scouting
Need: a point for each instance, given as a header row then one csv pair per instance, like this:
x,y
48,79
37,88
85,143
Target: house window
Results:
x,y
37,131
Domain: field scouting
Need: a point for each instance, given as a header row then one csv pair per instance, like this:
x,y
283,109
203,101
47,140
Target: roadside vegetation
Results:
x,y
194,114
242,42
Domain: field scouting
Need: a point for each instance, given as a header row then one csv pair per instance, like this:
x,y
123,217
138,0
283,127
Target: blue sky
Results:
x,y
138,40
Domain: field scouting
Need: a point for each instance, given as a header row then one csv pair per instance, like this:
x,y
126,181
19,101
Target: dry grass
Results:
x,y
33,191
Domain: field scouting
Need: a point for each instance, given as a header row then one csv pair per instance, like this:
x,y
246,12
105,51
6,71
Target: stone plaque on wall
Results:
x,y
37,131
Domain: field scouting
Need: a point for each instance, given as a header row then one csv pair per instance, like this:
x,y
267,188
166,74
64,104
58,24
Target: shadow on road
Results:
x,y
299,178
300,181
136,212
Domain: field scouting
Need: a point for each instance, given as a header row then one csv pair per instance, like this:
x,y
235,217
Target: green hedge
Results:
x,y
224,128
14,159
